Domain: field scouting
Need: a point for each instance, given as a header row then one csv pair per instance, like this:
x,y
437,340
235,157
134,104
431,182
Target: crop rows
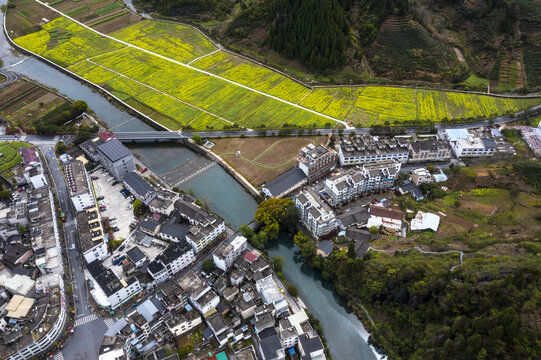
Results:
x,y
179,96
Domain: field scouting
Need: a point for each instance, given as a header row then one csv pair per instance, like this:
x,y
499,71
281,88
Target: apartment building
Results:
x,y
371,149
79,189
107,290
173,259
315,214
226,254
370,178
466,144
139,187
316,161
116,158
429,150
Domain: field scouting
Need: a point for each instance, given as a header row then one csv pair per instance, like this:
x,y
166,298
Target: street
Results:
x,y
85,342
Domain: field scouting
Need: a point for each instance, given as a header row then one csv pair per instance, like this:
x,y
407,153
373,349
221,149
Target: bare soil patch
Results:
x,y
478,207
275,152
453,219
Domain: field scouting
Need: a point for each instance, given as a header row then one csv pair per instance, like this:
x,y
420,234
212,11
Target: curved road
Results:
x,y
11,77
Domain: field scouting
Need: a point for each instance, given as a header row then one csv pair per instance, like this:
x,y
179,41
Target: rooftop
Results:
x,y
135,254
326,247
76,178
138,184
114,150
385,212
285,181
105,278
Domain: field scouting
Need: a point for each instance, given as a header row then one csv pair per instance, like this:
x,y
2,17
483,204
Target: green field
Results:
x,y
10,154
177,96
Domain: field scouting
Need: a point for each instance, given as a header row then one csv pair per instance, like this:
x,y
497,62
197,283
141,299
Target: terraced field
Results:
x,y
148,68
10,155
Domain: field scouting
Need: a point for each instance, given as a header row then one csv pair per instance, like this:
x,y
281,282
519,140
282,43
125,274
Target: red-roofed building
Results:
x,y
106,135
251,257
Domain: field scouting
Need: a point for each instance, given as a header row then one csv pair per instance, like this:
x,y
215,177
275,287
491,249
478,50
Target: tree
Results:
x,y
430,168
273,213
277,263
208,266
292,290
374,230
4,194
351,250
137,207
185,350
78,108
197,139
60,148
22,229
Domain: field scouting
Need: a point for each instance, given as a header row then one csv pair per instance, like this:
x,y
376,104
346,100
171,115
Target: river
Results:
x,y
344,332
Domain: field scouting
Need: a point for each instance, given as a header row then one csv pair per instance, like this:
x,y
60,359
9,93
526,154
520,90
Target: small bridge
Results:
x,y
141,136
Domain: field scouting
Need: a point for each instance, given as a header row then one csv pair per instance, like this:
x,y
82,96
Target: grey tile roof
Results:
x,y
138,184
174,230
135,254
285,181
326,246
114,150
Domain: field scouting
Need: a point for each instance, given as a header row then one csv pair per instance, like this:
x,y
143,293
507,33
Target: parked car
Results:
x,y
115,229
144,170
100,198
94,177
121,247
115,183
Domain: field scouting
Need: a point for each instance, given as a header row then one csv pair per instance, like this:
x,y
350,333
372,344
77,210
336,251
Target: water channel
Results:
x,y
344,332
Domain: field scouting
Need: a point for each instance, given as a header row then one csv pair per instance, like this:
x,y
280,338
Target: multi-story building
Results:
x,y
285,183
271,294
173,259
107,290
369,179
429,150
226,254
469,145
421,176
116,158
78,186
315,214
363,150
23,336
206,227
316,161
198,292
91,236
139,187
164,202
179,324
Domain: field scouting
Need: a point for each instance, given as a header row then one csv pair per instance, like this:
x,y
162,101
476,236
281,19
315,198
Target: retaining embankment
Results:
x,y
98,88
227,167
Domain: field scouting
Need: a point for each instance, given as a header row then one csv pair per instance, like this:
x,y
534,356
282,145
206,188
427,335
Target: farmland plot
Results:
x,y
178,96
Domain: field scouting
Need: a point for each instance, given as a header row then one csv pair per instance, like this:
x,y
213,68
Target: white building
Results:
x,y
421,176
271,294
226,254
199,294
315,214
164,202
425,221
316,161
467,145
390,219
371,178
91,237
78,186
179,324
107,290
173,259
362,150
206,227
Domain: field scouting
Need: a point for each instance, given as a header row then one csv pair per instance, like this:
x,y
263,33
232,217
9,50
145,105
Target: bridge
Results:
x,y
140,136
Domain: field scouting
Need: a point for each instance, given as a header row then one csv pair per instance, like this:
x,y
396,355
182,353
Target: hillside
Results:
x,y
467,44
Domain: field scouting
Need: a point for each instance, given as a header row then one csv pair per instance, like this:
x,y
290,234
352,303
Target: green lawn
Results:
x,y
10,154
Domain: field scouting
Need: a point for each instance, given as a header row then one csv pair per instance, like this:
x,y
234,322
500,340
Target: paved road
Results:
x,y
11,77
84,343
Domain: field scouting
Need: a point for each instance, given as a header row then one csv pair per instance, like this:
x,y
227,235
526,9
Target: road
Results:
x,y
10,77
84,343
